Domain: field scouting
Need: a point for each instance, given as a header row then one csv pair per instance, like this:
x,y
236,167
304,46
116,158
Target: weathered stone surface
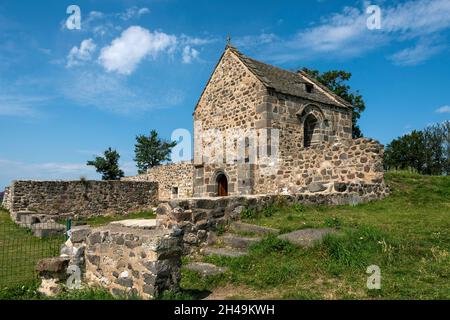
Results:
x,y
48,229
82,198
206,269
175,179
306,237
79,233
316,187
340,187
225,252
236,241
134,260
50,287
251,228
52,265
137,223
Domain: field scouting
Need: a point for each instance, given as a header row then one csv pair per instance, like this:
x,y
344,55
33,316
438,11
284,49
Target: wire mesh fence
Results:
x,y
22,245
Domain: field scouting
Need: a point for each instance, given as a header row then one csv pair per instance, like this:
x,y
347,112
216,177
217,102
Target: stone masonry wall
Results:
x,y
228,102
83,198
288,114
169,177
132,261
357,161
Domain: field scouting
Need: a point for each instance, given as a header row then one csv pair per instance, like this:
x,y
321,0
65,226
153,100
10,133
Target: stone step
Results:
x,y
17,216
206,269
239,242
48,229
224,252
306,237
251,228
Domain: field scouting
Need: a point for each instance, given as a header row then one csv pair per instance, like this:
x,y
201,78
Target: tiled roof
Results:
x,y
288,82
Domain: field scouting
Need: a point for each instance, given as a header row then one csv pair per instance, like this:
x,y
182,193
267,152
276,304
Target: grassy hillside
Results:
x,y
407,235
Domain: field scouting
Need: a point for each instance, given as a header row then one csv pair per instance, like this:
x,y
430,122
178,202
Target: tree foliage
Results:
x,y
426,151
108,165
151,151
336,80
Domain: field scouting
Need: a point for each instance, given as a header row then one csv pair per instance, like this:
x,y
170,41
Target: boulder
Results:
x,y
79,233
316,187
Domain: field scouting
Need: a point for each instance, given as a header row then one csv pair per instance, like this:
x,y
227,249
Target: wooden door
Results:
x,y
222,185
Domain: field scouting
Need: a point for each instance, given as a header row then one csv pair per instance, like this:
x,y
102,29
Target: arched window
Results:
x,y
310,130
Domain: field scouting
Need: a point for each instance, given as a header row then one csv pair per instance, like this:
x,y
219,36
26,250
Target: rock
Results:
x,y
235,241
49,287
306,237
223,252
125,282
79,233
206,269
145,224
48,229
251,228
340,187
316,187
53,267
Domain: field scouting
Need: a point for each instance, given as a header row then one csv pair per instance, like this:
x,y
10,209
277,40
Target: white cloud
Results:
x,y
82,54
133,12
15,105
345,34
250,41
416,55
444,109
189,54
133,45
195,41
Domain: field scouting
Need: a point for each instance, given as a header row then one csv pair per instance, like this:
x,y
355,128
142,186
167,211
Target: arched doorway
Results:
x,y
309,129
222,185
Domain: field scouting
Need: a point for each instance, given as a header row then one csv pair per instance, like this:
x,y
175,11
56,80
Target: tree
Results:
x,y
426,151
108,165
335,81
151,151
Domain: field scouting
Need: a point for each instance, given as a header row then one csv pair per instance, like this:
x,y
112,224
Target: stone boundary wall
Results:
x,y
82,198
168,177
6,202
198,218
358,161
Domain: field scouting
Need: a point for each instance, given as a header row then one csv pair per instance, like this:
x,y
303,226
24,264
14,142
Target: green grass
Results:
x,y
102,220
20,250
29,292
407,235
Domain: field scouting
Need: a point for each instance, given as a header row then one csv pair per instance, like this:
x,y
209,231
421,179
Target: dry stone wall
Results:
x,y
199,218
133,261
175,180
82,198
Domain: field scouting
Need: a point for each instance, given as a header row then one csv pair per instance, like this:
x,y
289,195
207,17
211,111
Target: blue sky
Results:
x,y
66,95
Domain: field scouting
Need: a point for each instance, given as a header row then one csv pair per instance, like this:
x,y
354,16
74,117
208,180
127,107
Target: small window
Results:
x,y
309,87
175,192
